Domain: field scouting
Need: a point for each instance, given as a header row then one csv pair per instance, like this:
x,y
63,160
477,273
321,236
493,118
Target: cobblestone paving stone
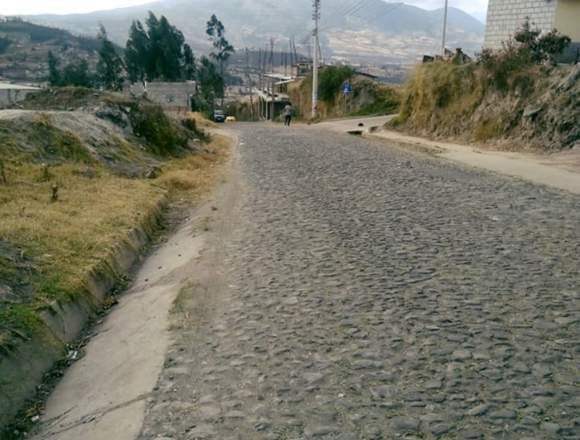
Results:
x,y
380,294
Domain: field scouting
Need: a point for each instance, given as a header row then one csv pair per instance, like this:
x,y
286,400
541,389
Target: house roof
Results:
x,y
10,86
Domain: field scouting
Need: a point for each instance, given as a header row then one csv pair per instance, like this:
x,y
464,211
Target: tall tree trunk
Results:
x,y
223,83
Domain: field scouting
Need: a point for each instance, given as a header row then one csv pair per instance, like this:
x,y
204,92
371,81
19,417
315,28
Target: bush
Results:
x,y
150,122
540,48
385,100
501,65
331,80
191,125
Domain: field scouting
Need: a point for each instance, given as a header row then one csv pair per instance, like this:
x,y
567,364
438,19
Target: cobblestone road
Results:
x,y
380,294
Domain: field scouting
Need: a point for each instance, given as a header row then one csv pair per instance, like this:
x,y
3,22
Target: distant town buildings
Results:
x,y
504,17
12,93
170,95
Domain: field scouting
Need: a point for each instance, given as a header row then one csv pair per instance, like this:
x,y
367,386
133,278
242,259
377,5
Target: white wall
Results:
x,y
506,16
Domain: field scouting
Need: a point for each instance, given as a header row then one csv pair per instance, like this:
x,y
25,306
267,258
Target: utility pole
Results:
x,y
444,42
272,59
250,85
315,60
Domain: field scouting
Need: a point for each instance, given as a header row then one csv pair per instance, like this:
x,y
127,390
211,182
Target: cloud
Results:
x,y
24,7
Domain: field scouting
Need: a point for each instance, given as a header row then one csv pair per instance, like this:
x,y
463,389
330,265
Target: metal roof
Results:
x,y
10,86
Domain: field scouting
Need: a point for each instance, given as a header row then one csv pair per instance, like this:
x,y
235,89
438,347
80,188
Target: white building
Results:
x,y
170,95
504,17
12,93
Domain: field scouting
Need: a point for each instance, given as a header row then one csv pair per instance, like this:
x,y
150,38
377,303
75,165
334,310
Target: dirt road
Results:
x,y
363,292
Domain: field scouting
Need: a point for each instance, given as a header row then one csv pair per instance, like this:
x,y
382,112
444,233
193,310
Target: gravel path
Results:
x,y
380,294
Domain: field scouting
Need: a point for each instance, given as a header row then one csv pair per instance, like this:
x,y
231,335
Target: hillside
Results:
x,y
82,193
368,98
528,108
24,49
379,32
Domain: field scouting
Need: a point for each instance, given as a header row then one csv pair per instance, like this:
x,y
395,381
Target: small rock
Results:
x,y
520,367
553,428
434,385
503,414
461,355
479,410
321,431
235,415
405,424
439,429
471,435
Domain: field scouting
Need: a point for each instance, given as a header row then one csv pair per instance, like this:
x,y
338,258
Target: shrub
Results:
x,y
150,122
385,100
501,65
331,79
528,47
540,47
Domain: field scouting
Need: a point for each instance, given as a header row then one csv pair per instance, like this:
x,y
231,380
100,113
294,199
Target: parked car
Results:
x,y
231,119
219,116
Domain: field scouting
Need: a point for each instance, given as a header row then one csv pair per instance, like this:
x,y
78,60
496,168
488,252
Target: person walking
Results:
x,y
288,112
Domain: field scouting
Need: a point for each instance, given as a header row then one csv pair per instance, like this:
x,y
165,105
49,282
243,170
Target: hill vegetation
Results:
x,y
368,97
24,49
77,186
517,97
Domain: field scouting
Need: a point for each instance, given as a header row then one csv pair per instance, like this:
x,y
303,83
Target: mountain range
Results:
x,y
368,31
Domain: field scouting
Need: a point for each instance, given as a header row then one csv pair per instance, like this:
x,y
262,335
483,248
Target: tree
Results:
x,y
54,77
189,68
170,50
211,83
110,66
137,53
223,49
157,53
77,74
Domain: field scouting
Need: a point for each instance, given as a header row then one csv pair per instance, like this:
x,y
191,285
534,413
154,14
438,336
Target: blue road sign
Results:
x,y
347,88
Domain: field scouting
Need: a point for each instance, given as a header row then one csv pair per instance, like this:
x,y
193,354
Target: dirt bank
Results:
x,y
530,108
84,195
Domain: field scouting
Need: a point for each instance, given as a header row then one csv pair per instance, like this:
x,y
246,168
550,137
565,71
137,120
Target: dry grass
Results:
x,y
67,239
475,103
192,176
201,121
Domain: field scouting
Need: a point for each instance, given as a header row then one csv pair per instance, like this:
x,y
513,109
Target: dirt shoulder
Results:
x,y
104,395
557,170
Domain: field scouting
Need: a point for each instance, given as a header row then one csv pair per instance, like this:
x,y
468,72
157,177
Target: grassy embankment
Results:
x,y
369,97
49,248
499,100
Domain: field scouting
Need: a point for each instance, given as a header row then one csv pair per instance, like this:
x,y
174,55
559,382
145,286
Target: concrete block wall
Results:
x,y
506,16
9,97
169,95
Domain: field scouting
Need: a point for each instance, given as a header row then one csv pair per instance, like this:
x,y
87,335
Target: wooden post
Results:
x,y
54,196
45,173
3,178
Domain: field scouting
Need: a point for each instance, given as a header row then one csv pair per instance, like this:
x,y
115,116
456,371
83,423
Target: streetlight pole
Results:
x,y
444,39
315,58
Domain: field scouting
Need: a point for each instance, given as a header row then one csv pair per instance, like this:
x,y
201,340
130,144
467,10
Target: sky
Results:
x,y
24,7
476,7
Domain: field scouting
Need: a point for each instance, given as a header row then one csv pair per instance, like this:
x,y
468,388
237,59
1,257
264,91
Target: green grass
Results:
x,y
385,100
